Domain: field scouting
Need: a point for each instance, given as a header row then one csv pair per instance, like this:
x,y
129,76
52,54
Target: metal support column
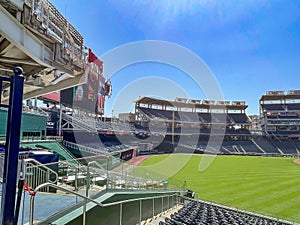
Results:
x,y
60,120
12,147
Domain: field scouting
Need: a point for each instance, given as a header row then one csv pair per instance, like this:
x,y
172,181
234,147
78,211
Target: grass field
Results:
x,y
266,185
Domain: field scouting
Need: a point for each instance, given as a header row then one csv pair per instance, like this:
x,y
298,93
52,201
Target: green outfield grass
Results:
x,y
265,185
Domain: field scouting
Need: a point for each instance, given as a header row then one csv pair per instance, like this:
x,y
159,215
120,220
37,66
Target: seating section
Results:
x,y
196,117
284,133
239,117
187,129
267,146
227,147
273,107
249,146
205,214
241,131
281,119
283,116
109,147
297,143
286,146
294,106
282,107
195,125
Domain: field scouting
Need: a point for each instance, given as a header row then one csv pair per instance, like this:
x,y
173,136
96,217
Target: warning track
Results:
x,y
297,161
138,160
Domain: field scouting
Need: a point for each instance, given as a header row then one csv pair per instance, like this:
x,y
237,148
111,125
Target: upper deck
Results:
x,y
51,51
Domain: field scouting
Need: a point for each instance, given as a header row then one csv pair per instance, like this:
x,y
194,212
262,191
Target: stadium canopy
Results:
x,y
281,95
192,103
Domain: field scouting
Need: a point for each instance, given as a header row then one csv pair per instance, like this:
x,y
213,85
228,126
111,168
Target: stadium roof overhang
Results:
x,y
49,64
153,101
280,97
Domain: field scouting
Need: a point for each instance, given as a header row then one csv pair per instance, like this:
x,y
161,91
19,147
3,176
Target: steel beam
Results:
x,y
18,61
23,39
70,82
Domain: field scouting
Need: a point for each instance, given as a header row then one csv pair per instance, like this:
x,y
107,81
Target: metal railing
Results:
x,y
84,148
69,155
120,203
38,173
101,173
79,123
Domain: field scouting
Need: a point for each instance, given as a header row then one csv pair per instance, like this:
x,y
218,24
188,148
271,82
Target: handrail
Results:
x,y
32,198
38,164
110,175
85,148
110,172
67,151
78,122
88,186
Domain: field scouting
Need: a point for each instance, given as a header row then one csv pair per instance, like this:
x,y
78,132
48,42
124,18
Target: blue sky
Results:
x,y
250,46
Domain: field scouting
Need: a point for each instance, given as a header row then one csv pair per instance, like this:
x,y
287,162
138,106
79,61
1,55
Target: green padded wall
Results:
x,y
31,122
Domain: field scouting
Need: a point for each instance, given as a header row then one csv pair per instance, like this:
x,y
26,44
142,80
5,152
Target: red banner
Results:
x,y
94,59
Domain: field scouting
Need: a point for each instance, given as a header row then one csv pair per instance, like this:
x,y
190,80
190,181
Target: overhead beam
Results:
x,y
18,61
32,86
5,46
64,84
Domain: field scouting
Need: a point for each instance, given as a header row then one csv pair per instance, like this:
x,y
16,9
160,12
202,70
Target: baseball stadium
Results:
x,y
171,161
